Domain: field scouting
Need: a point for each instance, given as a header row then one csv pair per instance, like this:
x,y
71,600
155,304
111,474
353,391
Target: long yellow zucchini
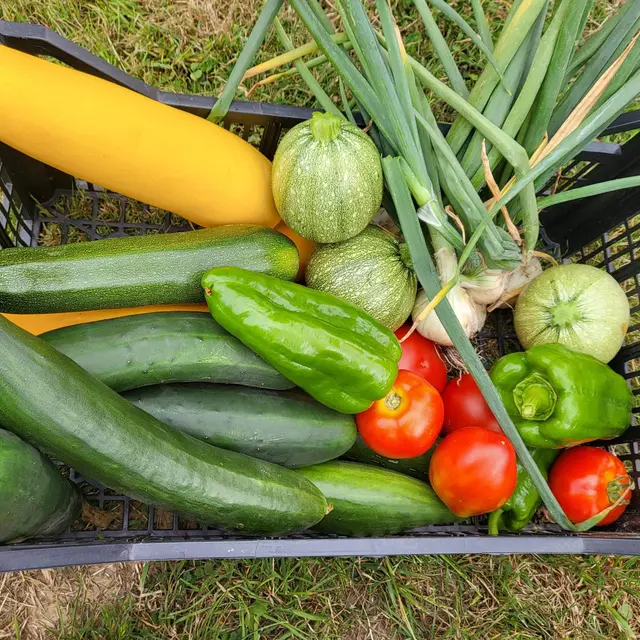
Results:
x,y
113,137
37,323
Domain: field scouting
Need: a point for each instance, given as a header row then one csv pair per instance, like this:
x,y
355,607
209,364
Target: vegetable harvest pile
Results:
x,y
326,403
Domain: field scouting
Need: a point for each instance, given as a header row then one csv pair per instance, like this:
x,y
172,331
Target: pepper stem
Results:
x,y
495,521
535,398
325,127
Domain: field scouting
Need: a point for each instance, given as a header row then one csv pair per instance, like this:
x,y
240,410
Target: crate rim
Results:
x,y
40,40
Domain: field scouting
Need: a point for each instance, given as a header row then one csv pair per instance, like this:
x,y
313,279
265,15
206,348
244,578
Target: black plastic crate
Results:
x,y
39,203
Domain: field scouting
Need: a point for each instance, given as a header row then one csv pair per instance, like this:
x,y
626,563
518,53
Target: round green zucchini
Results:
x,y
327,179
36,499
50,401
370,501
167,346
165,268
288,428
372,271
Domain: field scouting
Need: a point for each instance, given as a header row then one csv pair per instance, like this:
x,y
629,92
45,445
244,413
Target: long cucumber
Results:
x,y
154,348
50,401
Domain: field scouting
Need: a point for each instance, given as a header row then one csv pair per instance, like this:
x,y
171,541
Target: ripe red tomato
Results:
x,y
587,480
473,471
465,406
406,422
422,357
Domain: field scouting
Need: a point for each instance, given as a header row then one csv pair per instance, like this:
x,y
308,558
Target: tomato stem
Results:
x,y
393,400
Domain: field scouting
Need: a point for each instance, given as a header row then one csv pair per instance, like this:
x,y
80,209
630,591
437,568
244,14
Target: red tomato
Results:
x,y
406,422
422,357
586,481
473,471
465,406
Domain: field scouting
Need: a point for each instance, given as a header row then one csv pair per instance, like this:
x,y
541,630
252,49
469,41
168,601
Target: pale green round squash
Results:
x,y
327,179
577,305
373,271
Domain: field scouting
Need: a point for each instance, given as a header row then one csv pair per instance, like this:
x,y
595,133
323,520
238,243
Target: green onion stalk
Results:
x,y
470,233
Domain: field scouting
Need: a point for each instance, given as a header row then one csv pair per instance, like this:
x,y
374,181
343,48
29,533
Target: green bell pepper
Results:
x,y
558,397
517,512
334,351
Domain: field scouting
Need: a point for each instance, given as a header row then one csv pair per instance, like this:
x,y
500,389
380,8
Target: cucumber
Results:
x,y
35,498
414,467
370,501
136,271
50,401
284,427
153,348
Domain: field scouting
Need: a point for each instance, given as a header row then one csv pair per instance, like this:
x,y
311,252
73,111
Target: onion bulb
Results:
x,y
577,305
470,314
485,286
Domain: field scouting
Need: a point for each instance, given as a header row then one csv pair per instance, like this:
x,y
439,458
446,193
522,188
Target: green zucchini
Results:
x,y
284,427
414,467
50,401
136,271
35,498
370,501
167,346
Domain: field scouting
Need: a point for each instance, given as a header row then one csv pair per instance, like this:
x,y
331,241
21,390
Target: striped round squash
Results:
x,y
372,271
327,179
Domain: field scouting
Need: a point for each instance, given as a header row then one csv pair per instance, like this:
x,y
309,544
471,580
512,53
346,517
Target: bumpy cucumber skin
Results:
x,y
371,501
50,401
136,271
35,498
156,348
288,428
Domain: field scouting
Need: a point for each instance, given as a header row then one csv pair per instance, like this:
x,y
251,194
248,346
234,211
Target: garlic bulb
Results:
x,y
485,286
470,314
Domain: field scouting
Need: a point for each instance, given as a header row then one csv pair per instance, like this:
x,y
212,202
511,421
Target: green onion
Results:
x,y
589,191
248,53
510,40
441,49
321,96
481,23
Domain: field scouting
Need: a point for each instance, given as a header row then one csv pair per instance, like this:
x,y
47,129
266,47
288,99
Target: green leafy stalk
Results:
x,y
321,96
441,48
507,146
524,102
456,18
553,82
401,82
595,41
481,23
589,191
248,53
498,106
601,60
345,102
510,40
428,277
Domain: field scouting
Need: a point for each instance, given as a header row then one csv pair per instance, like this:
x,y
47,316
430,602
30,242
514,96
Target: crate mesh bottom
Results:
x,y
88,213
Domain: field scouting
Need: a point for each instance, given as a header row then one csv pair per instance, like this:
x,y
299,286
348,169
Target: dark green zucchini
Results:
x,y
414,467
370,501
50,401
168,346
35,498
284,427
136,271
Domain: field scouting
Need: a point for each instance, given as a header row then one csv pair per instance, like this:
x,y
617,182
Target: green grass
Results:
x,y
189,46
